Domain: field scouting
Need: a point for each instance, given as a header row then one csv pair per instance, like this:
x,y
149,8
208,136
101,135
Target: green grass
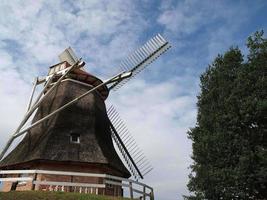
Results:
x,y
39,195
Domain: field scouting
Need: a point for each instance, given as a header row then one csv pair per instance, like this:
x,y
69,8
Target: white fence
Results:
x,y
135,188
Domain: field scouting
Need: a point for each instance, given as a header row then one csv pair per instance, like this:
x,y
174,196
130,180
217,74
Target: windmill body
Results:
x,y
69,145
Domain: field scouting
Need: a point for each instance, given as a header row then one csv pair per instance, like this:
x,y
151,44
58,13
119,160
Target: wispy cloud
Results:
x,y
209,26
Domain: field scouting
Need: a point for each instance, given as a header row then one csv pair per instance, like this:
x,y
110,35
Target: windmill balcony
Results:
x,y
66,181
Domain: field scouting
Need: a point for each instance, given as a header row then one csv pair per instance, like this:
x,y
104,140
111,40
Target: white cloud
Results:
x,y
216,24
6,59
13,92
186,17
189,16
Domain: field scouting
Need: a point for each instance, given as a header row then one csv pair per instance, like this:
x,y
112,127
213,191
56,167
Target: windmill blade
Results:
x,y
125,154
129,150
141,58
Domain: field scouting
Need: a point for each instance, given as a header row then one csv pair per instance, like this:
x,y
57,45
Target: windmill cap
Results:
x,y
90,79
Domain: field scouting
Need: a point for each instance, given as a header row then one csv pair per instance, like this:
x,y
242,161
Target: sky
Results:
x,y
159,105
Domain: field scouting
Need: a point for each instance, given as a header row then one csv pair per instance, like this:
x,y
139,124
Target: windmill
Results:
x,y
71,127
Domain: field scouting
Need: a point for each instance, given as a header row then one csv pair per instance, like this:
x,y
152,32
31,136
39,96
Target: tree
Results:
x,y
229,140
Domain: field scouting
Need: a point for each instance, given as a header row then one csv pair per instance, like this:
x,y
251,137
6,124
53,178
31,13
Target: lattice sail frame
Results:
x,y
133,156
141,58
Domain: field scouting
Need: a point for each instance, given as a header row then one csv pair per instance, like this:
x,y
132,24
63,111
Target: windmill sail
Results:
x,y
134,158
141,58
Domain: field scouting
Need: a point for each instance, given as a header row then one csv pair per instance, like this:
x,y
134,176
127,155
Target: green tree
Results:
x,y
229,140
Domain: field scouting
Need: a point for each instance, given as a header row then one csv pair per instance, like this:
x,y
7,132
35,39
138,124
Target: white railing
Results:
x,y
135,188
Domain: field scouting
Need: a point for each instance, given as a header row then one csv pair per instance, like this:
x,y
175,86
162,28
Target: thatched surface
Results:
x,y
51,139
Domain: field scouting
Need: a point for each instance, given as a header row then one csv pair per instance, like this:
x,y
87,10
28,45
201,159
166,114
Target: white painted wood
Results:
x,y
17,171
140,192
32,93
67,173
14,179
131,190
70,173
144,193
117,183
69,184
127,180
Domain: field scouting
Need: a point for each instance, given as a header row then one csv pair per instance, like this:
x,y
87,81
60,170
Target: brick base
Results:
x,y
111,190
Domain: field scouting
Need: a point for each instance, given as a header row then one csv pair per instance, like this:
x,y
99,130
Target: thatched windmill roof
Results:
x,y
50,140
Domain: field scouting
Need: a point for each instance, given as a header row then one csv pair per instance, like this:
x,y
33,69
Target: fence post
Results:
x,y
151,194
104,189
131,189
144,193
34,179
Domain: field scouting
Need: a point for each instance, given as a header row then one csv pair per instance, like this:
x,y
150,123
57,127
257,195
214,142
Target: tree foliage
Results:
x,y
229,140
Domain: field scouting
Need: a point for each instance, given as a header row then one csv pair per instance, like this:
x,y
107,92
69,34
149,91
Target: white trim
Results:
x,y
68,173
116,183
140,192
81,83
127,180
69,184
14,179
17,171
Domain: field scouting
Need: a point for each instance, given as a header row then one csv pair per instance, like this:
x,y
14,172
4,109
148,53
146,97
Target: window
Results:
x,y
75,138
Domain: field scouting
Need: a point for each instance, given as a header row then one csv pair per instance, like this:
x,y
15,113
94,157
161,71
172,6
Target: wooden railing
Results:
x,y
136,189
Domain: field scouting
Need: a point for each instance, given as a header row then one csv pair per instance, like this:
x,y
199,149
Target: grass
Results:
x,y
39,195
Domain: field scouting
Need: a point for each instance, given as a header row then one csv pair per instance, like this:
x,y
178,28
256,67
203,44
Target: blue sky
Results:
x,y
159,106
